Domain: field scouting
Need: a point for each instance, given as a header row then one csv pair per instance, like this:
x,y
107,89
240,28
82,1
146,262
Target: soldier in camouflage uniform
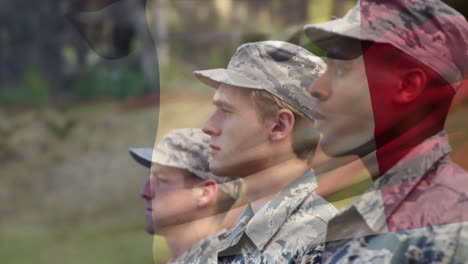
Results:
x,y
261,131
185,203
393,69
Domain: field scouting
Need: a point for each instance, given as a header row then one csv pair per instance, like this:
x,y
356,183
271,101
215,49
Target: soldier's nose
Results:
x,y
145,191
209,127
319,88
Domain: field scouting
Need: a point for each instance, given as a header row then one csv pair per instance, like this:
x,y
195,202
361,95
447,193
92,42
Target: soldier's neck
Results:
x,y
396,142
262,186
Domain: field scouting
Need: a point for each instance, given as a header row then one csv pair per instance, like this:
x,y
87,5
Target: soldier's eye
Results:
x,y
161,181
223,109
339,69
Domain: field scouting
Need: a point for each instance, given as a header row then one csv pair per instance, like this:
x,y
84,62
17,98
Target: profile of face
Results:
x,y
168,201
362,98
239,136
343,113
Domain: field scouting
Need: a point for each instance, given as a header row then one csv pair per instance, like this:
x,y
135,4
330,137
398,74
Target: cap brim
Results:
x,y
325,33
216,77
143,156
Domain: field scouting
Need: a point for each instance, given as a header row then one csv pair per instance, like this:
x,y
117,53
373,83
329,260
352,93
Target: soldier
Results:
x,y
185,203
261,131
393,69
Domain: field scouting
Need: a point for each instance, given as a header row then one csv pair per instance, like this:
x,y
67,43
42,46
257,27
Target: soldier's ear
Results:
x,y
207,195
283,126
412,83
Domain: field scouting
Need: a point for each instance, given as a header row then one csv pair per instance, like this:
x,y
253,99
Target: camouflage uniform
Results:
x,y
188,149
417,210
414,212
282,229
202,252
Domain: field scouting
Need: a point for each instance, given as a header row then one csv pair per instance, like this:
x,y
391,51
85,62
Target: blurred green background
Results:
x,y
82,81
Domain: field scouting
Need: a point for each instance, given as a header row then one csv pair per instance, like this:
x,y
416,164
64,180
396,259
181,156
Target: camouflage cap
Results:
x,y
283,69
428,30
186,148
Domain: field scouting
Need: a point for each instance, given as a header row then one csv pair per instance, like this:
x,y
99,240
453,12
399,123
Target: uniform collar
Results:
x,y
231,238
399,181
210,242
269,219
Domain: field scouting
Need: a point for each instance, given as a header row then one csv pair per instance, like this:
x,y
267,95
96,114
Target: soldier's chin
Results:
x,y
350,146
327,148
333,148
220,170
149,228
158,229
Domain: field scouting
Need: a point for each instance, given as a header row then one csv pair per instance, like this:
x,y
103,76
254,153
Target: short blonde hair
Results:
x,y
305,136
268,104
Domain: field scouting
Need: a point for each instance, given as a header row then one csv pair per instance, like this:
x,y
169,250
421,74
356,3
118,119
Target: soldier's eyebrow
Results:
x,y
158,175
154,172
222,103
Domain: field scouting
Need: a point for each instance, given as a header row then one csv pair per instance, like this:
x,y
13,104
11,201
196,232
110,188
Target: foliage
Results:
x,y
307,44
314,49
33,90
175,78
219,57
100,81
170,76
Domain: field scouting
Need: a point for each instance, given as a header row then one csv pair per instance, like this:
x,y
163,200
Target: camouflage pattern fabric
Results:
x,y
416,212
202,251
187,148
428,30
283,69
206,250
281,230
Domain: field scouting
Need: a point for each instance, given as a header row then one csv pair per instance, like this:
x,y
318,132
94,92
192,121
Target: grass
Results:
x,y
80,245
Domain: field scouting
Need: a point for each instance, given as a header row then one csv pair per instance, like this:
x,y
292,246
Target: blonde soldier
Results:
x,y
185,203
257,133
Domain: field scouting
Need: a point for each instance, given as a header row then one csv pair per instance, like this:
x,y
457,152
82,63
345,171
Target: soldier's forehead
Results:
x,y
219,99
157,168
226,94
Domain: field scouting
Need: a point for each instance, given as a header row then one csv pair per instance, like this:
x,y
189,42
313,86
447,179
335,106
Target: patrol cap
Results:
x,y
283,69
188,149
428,30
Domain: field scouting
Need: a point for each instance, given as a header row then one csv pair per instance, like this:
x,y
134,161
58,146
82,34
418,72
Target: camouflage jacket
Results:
x,y
282,229
416,212
201,252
